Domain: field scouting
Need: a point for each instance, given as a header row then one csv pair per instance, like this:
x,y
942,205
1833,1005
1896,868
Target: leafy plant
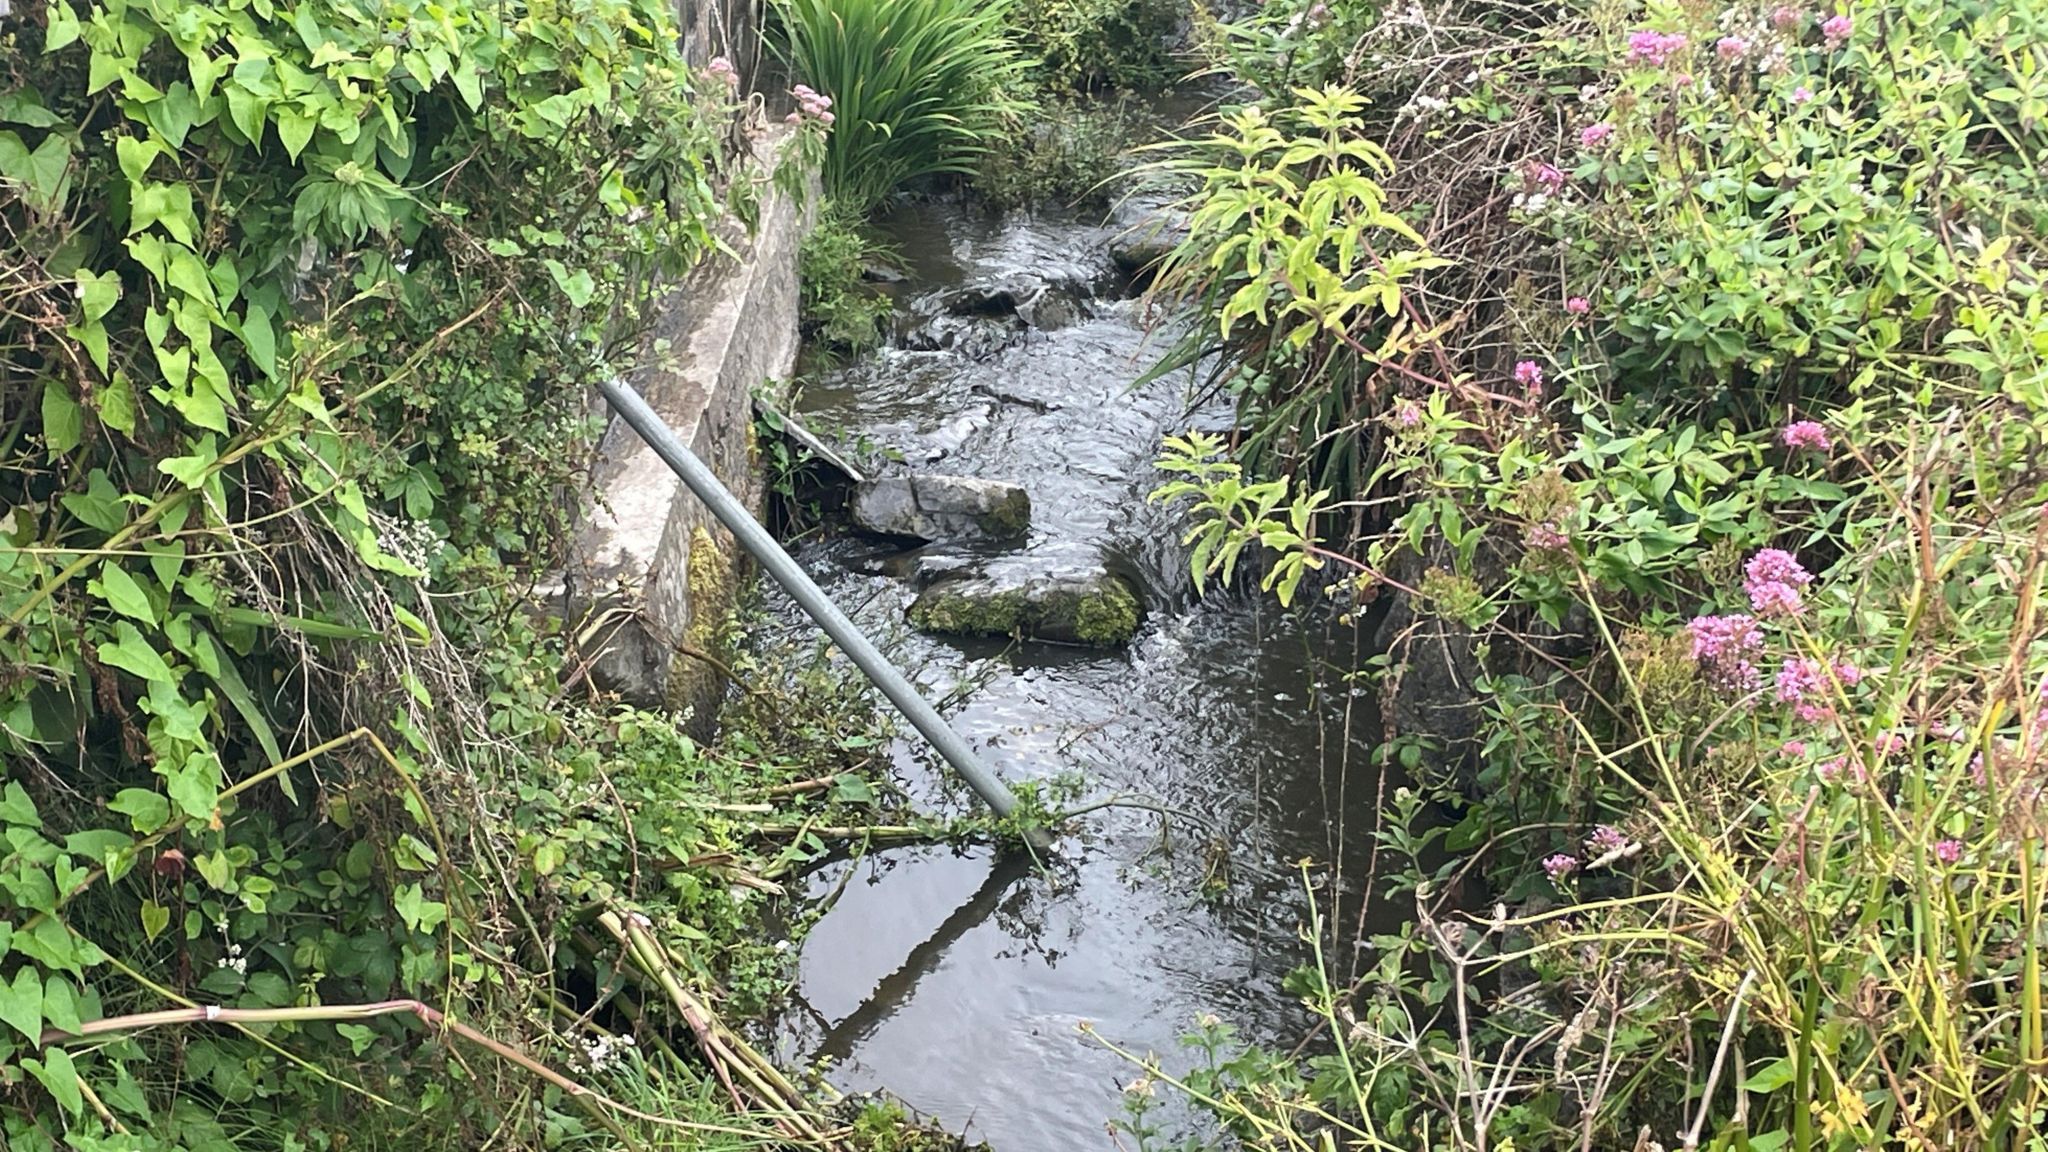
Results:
x,y
839,309
1070,153
1093,45
918,87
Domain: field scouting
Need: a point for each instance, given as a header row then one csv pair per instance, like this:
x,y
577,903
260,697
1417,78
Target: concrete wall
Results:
x,y
653,574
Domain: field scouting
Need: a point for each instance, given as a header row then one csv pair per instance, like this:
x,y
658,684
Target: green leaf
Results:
x,y
191,471
851,789
23,106
131,653
21,1003
16,808
63,420
146,811
260,339
41,172
60,1076
123,594
245,109
155,918
167,204
98,292
195,787
577,286
63,27
60,1005
295,129
175,114
99,506
117,405
237,692
1770,1077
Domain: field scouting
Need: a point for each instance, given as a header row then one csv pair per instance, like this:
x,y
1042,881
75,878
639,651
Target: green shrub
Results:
x,y
1070,153
918,87
1093,45
299,309
1764,879
841,312
1782,209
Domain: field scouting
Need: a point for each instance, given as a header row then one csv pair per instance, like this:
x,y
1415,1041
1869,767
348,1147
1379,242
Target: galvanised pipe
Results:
x,y
634,410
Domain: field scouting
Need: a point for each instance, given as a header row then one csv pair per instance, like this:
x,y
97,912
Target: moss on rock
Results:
x,y
1098,610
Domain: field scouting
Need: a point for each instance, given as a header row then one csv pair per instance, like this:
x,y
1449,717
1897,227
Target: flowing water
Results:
x,y
958,980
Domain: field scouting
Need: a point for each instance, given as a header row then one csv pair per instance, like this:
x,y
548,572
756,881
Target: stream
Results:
x,y
959,980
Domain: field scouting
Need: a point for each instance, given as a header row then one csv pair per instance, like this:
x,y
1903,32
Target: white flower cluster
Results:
x,y
601,1052
412,541
1423,105
235,960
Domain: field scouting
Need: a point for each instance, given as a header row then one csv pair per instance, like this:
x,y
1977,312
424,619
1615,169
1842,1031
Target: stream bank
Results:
x,y
959,979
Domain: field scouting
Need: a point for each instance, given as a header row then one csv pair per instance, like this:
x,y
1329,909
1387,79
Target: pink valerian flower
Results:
x,y
1890,743
1731,47
1560,866
1529,374
1786,18
1802,683
1809,435
1605,839
1792,749
1830,770
1578,305
1547,537
1723,645
1848,673
1407,414
1546,176
1655,48
1837,29
1802,94
1594,135
1948,851
810,105
723,69
1773,579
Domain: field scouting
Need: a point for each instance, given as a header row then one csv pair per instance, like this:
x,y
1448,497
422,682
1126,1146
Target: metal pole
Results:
x,y
755,539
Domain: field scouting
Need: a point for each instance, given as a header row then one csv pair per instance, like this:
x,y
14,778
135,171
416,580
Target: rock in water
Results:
x,y
1099,609
942,508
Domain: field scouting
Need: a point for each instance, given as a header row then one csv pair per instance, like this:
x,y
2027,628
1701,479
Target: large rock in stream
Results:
x,y
1097,609
942,508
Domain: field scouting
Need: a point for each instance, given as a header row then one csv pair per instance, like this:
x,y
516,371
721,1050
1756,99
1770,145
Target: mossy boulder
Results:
x,y
1100,610
942,508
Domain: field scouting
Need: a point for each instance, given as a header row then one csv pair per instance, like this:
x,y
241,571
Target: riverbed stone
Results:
x,y
1099,609
927,507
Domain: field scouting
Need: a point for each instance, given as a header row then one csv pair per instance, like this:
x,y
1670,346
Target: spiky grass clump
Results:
x,y
918,87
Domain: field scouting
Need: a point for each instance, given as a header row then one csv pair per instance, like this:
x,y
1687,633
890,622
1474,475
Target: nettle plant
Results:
x,y
1793,199
297,307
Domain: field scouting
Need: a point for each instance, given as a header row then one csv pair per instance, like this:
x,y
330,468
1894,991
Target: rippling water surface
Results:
x,y
958,980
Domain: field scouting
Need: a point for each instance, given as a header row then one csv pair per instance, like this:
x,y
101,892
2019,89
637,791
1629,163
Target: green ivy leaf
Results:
x,y
259,338
60,1076
577,286
147,811
155,918
191,470
123,594
295,129
16,808
117,405
60,1005
98,292
195,787
21,1003
63,420
41,172
63,27
133,654
99,506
